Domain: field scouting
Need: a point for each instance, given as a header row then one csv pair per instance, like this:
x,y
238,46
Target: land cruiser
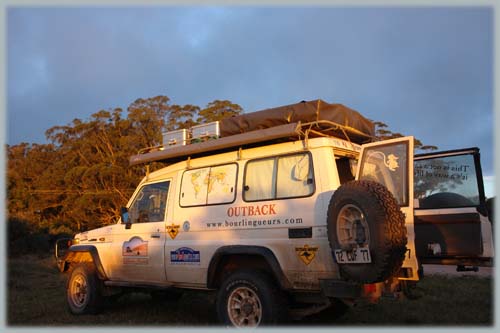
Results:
x,y
285,212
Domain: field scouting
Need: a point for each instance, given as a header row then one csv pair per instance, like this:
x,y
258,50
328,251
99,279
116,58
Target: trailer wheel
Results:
x,y
365,214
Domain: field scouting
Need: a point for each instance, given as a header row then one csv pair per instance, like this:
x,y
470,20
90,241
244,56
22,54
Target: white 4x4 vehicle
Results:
x,y
285,214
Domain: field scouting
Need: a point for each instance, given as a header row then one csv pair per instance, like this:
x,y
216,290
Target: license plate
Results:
x,y
360,255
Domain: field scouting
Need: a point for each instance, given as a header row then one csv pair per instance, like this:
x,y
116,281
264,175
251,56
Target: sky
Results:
x,y
424,71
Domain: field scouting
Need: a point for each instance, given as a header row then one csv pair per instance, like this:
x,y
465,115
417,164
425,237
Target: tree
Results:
x,y
218,110
181,117
383,133
147,119
81,178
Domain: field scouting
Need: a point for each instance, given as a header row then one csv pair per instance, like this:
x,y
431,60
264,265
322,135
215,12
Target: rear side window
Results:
x,y
446,182
279,177
208,186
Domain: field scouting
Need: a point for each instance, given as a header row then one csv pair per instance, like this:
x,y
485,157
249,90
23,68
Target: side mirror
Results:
x,y
125,217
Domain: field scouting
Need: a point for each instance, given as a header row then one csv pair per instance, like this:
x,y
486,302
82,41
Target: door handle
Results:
x,y
155,236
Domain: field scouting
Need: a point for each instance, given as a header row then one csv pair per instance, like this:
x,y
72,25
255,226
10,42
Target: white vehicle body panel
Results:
x,y
177,249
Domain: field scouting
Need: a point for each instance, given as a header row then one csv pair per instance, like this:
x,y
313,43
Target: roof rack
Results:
x,y
288,132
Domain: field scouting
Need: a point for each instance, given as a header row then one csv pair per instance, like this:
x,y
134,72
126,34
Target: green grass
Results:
x,y
443,301
36,297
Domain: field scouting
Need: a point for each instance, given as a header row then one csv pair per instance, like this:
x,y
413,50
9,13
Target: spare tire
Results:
x,y
445,200
364,213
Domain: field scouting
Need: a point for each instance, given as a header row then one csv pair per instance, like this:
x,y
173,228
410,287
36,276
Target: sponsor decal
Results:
x,y
186,226
306,253
173,230
254,216
256,210
255,223
135,261
390,161
185,255
135,251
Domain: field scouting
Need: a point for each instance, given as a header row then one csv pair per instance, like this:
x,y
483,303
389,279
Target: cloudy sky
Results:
x,y
424,71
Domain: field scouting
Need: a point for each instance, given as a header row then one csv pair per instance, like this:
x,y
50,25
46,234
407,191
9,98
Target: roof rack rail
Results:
x,y
288,132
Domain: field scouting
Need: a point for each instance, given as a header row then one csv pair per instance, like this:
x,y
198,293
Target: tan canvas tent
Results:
x,y
360,129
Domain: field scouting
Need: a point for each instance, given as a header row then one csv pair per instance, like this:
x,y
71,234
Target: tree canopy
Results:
x,y
383,133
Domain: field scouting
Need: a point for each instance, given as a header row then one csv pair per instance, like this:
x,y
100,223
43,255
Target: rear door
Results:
x,y
451,224
390,162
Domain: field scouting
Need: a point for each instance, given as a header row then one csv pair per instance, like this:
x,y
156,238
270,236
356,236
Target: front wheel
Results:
x,y
250,299
83,292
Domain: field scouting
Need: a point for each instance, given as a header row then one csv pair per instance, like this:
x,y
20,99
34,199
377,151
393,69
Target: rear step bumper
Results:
x,y
458,261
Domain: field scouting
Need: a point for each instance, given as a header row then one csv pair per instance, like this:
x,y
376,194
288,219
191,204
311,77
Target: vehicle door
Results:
x,y
138,246
451,224
390,162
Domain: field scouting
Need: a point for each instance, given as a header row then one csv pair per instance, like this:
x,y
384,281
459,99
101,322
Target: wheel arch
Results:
x,y
83,253
244,256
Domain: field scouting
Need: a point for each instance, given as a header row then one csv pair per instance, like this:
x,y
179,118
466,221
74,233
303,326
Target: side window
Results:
x,y
150,203
294,176
279,177
194,187
260,178
209,186
346,169
446,182
221,184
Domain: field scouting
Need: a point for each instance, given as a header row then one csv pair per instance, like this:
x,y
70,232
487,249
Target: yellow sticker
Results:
x,y
173,230
392,162
306,253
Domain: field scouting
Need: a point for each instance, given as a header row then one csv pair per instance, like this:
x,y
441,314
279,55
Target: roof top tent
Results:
x,y
285,123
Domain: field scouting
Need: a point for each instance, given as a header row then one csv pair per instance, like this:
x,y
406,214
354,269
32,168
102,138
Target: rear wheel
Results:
x,y
250,299
364,214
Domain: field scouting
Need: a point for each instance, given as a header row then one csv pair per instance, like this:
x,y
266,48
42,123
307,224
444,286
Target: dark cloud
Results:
x,y
424,71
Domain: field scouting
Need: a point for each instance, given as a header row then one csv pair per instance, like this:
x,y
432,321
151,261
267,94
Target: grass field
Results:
x,y
36,297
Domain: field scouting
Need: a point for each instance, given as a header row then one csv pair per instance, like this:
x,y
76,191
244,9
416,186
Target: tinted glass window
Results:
x,y
388,165
446,182
150,203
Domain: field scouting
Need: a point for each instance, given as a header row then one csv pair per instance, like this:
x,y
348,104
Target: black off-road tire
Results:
x,y
84,290
386,227
249,288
